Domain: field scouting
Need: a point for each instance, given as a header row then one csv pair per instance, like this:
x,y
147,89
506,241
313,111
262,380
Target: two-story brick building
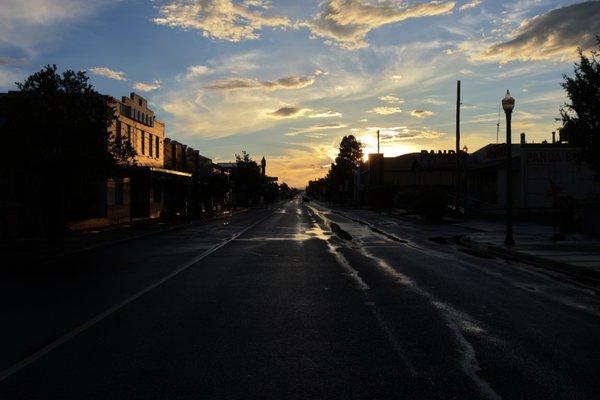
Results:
x,y
138,190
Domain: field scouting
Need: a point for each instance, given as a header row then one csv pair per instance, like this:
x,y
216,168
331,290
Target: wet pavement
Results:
x,y
296,302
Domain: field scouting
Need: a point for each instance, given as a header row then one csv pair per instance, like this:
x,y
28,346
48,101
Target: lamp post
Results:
x,y
508,103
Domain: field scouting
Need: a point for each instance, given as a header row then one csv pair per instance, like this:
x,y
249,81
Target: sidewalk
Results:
x,y
79,241
577,255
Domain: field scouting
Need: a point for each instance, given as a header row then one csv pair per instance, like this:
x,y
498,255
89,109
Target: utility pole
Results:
x,y
457,179
377,142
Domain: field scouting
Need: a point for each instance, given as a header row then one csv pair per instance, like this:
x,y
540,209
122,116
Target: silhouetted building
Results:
x,y
541,173
240,194
188,196
408,171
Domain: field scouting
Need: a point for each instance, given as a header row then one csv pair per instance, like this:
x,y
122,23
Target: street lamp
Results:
x,y
508,103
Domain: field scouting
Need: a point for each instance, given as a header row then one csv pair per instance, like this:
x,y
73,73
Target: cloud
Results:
x,y
240,63
289,82
346,23
197,70
385,110
220,19
422,113
27,24
8,78
5,61
257,3
147,87
403,133
435,101
411,134
317,127
326,114
391,99
108,73
197,112
288,112
555,35
484,118
328,126
295,112
209,114
470,4
299,165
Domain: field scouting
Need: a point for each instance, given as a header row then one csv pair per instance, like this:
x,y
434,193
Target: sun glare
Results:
x,y
388,149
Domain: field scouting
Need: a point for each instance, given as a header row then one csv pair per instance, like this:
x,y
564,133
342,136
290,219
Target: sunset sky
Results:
x,y
288,78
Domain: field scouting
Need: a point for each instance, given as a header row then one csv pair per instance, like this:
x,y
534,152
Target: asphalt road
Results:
x,y
296,302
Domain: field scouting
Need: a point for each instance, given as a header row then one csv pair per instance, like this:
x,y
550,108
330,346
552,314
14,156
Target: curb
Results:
x,y
580,275
148,234
52,254
577,275
373,228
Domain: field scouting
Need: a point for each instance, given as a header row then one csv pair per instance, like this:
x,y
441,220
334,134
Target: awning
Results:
x,y
170,172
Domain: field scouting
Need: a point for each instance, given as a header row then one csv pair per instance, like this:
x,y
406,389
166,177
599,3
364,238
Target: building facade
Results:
x,y
136,122
136,192
144,188
542,175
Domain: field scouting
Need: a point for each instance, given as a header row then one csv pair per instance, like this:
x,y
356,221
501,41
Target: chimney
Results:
x,y
553,137
523,138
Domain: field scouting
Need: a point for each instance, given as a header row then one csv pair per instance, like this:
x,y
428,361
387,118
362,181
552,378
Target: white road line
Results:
x,y
454,318
81,328
364,287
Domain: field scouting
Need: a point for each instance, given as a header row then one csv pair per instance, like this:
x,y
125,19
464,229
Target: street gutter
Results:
x,y
579,276
52,253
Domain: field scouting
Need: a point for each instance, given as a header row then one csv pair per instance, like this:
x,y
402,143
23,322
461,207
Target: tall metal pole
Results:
x,y
377,142
508,240
457,179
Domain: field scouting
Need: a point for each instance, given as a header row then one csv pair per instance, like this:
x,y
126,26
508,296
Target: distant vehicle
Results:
x,y
305,199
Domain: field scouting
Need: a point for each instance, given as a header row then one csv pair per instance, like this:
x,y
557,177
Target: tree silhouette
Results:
x,y
57,127
341,175
581,116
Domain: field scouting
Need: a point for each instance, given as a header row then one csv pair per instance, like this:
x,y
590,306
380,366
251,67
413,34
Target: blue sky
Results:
x,y
287,79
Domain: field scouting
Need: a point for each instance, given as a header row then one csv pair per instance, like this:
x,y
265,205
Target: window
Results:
x,y
118,129
143,142
119,191
150,143
129,133
140,102
157,148
143,118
